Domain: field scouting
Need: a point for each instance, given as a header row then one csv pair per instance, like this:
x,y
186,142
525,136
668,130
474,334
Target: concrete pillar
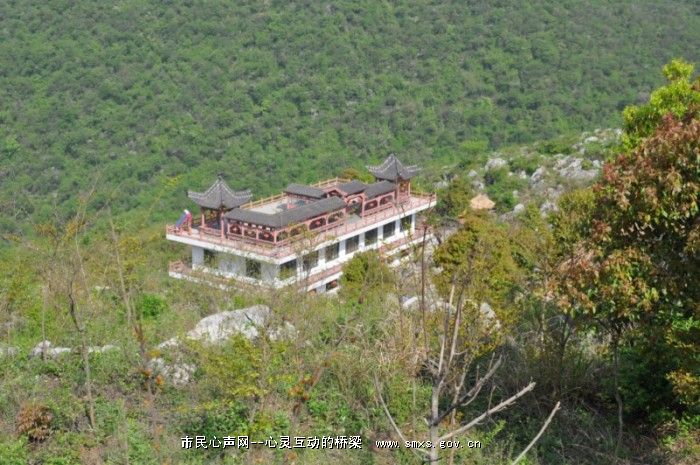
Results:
x,y
197,257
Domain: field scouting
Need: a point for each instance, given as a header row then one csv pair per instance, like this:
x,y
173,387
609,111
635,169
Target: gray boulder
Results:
x,y
538,174
213,330
495,163
46,349
548,207
574,170
101,349
216,328
178,374
8,351
489,315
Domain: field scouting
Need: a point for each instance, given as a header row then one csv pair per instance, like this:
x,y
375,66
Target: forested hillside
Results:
x,y
144,99
561,335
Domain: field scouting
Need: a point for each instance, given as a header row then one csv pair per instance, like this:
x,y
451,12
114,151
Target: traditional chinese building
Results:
x,y
303,235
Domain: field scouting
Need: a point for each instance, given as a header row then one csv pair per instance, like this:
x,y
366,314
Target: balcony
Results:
x,y
416,202
306,280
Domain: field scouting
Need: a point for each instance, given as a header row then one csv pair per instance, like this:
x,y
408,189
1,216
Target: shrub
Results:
x,y
13,452
34,420
527,164
365,272
150,305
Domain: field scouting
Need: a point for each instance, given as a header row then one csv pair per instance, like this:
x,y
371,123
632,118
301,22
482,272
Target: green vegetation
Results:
x,y
111,110
145,99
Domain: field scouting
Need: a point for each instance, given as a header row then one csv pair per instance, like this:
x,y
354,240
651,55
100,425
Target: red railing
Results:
x,y
272,250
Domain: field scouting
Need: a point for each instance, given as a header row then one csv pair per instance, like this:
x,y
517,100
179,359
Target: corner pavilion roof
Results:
x,y
392,170
220,196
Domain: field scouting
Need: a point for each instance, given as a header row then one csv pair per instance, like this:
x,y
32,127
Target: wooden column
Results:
x,y
201,210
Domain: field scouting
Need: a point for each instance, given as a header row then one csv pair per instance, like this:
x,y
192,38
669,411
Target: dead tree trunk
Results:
x,y
80,328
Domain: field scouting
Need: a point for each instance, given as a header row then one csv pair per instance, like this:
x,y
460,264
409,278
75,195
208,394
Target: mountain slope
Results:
x,y
131,93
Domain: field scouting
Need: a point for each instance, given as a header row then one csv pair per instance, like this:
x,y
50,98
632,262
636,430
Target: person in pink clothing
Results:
x,y
185,220
188,219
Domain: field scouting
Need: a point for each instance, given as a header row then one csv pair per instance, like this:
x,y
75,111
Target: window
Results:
x,y
317,223
389,229
351,244
252,268
298,230
354,208
332,251
406,223
288,269
371,236
310,261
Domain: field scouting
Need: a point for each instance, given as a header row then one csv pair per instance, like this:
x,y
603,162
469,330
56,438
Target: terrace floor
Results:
x,y
352,223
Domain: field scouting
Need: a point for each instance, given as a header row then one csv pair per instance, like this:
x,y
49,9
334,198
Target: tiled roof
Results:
x,y
220,196
392,170
287,217
379,188
352,187
305,191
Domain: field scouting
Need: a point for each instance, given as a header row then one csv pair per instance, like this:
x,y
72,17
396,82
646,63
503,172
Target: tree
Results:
x,y
480,258
453,200
366,273
66,282
458,329
680,97
633,267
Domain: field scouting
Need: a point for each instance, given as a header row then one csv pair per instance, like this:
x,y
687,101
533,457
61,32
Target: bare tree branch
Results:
x,y
506,403
471,394
538,435
378,388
